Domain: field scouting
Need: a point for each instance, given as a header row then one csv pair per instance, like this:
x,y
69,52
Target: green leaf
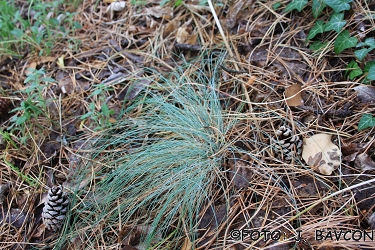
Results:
x,y
77,25
366,121
21,120
338,5
105,110
371,73
353,69
344,41
276,5
17,32
92,106
178,3
368,42
317,29
88,114
369,65
296,5
317,7
96,92
336,23
360,54
318,45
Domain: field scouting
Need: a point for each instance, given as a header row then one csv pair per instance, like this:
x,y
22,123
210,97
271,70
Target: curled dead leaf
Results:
x,y
187,244
321,154
365,93
350,151
170,27
364,162
60,62
184,37
293,95
160,12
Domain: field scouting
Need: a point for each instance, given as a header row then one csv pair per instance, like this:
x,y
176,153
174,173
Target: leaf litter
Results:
x,y
270,57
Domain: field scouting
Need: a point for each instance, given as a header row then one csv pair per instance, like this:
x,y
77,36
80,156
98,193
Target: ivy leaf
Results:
x,y
354,70
318,45
338,5
366,121
344,41
369,65
296,5
369,42
336,23
317,29
361,53
371,73
317,7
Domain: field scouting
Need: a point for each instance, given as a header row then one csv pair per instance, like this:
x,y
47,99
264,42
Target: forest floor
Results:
x,y
296,166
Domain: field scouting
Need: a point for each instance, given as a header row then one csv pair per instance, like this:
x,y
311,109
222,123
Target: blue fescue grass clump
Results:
x,y
157,166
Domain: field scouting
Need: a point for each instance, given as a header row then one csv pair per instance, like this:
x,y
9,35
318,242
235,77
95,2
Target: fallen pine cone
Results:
x,y
287,144
55,208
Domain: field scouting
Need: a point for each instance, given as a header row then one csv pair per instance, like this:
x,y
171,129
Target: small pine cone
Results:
x,y
55,208
4,106
287,144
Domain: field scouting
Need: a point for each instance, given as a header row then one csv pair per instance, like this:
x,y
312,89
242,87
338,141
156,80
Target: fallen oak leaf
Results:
x,y
314,161
330,154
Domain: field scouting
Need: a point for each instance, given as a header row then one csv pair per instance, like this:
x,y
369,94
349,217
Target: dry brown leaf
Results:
x,y
182,35
293,95
251,80
365,93
65,82
187,244
350,151
364,162
197,8
31,68
351,148
185,37
321,154
160,12
60,62
170,27
192,39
